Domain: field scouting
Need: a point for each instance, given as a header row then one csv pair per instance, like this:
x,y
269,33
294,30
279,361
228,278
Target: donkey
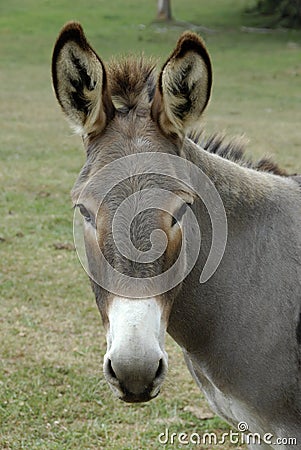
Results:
x,y
240,331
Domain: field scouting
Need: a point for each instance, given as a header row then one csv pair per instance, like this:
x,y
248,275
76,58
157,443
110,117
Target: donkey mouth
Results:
x,y
145,396
129,397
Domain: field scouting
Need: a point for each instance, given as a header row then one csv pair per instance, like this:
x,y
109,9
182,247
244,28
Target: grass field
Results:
x,y
52,391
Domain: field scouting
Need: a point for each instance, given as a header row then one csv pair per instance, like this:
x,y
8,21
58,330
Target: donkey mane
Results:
x,y
234,150
132,83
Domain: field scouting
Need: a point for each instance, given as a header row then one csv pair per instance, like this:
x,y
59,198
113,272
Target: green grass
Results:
x,y
52,391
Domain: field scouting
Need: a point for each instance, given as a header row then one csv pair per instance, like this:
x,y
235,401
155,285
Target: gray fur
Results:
x,y
240,331
243,348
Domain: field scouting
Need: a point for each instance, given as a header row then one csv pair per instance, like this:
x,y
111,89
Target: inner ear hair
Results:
x,y
184,86
79,80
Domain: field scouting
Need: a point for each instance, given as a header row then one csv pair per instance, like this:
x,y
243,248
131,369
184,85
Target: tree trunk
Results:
x,y
164,10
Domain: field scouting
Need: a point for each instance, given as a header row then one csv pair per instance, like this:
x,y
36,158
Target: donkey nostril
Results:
x,y
110,369
160,369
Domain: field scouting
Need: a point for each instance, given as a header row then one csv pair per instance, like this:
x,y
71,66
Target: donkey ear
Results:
x,y
80,81
184,86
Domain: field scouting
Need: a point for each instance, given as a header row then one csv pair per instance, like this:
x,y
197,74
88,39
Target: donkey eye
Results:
x,y
85,213
179,214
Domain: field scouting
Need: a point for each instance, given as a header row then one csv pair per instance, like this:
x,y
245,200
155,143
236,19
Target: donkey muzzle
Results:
x,y
135,364
135,380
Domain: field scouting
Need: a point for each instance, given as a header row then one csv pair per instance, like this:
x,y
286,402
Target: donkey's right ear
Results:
x,y
80,81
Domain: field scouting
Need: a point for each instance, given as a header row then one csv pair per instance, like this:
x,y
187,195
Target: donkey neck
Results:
x,y
238,186
252,200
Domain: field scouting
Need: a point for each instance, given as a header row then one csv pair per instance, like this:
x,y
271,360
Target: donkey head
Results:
x,y
133,128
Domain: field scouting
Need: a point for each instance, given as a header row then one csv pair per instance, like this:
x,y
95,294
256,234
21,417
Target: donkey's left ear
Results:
x,y
184,87
80,81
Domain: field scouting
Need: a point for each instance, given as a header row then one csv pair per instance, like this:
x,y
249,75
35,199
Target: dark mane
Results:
x,y
132,82
234,150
